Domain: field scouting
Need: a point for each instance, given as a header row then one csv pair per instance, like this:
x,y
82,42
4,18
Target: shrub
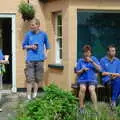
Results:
x,y
56,104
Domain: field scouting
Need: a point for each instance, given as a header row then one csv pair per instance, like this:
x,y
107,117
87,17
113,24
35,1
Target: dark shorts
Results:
x,y
88,83
34,71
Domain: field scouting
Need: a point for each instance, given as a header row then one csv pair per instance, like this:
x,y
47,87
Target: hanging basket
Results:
x,y
27,11
27,17
44,1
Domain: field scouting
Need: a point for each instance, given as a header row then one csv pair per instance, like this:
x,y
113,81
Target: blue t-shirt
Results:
x,y
109,66
1,55
91,74
41,40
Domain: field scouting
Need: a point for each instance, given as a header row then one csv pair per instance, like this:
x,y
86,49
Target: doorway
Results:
x,y
8,46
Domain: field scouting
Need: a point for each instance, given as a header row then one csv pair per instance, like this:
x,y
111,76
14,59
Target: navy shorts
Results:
x,y
88,83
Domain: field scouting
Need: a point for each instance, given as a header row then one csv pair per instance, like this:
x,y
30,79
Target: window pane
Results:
x,y
60,42
99,29
60,53
59,31
59,19
59,38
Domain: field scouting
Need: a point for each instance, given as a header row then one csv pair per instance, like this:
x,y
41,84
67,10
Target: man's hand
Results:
x,y
82,71
85,69
89,59
34,47
4,62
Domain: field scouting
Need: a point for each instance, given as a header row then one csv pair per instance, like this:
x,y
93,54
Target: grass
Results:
x,y
104,112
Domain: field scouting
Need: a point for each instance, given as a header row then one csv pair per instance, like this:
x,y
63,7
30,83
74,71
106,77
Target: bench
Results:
x,y
103,92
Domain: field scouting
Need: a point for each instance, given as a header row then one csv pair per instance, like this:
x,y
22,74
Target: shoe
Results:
x,y
82,111
34,95
29,97
0,110
113,106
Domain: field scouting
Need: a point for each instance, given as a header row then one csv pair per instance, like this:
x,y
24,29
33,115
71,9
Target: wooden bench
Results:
x,y
103,92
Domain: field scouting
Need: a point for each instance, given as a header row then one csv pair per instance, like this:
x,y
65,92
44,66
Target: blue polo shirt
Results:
x,y
91,74
39,38
109,66
1,55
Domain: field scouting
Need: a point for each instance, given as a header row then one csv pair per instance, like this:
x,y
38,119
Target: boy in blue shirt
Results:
x,y
111,72
36,45
86,70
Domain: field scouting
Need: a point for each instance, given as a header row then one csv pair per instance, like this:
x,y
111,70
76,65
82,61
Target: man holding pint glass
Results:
x,y
36,45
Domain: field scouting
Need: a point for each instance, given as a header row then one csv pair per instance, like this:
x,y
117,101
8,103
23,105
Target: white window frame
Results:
x,y
58,60
13,19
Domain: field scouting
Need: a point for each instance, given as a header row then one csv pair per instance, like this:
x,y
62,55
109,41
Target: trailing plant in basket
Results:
x,y
27,10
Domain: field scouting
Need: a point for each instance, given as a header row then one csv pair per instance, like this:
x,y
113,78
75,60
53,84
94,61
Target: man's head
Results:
x,y
35,25
87,51
111,51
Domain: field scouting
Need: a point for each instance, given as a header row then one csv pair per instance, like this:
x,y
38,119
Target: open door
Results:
x,y
6,46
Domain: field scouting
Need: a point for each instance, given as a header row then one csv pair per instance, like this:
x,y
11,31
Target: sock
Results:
x,y
34,95
0,110
29,97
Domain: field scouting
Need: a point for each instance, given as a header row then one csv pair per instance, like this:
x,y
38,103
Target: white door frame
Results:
x,y
13,18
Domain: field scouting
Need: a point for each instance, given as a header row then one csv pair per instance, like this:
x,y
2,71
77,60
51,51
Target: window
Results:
x,y
99,29
58,38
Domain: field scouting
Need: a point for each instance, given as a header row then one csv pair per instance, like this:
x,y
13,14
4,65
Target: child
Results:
x,y
3,60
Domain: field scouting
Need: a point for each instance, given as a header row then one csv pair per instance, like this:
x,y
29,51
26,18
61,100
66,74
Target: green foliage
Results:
x,y
27,10
104,113
118,110
56,104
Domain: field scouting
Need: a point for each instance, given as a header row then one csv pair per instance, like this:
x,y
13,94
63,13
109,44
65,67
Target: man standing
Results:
x,y
111,72
36,45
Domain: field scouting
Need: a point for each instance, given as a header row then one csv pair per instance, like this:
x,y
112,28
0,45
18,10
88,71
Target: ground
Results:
x,y
10,102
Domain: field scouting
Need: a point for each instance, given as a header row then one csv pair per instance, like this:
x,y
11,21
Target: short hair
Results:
x,y
110,46
36,20
87,48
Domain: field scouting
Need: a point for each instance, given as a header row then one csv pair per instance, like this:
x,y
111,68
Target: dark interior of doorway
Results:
x,y
7,50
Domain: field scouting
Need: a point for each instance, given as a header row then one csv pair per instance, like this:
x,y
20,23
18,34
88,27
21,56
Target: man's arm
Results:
x,y
46,53
47,45
95,63
98,68
78,69
106,73
103,70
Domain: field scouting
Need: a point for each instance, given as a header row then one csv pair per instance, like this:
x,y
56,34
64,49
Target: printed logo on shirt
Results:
x,y
106,64
83,66
30,38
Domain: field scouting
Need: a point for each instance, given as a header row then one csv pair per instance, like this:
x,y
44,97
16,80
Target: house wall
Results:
x,y
64,78
60,77
11,7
